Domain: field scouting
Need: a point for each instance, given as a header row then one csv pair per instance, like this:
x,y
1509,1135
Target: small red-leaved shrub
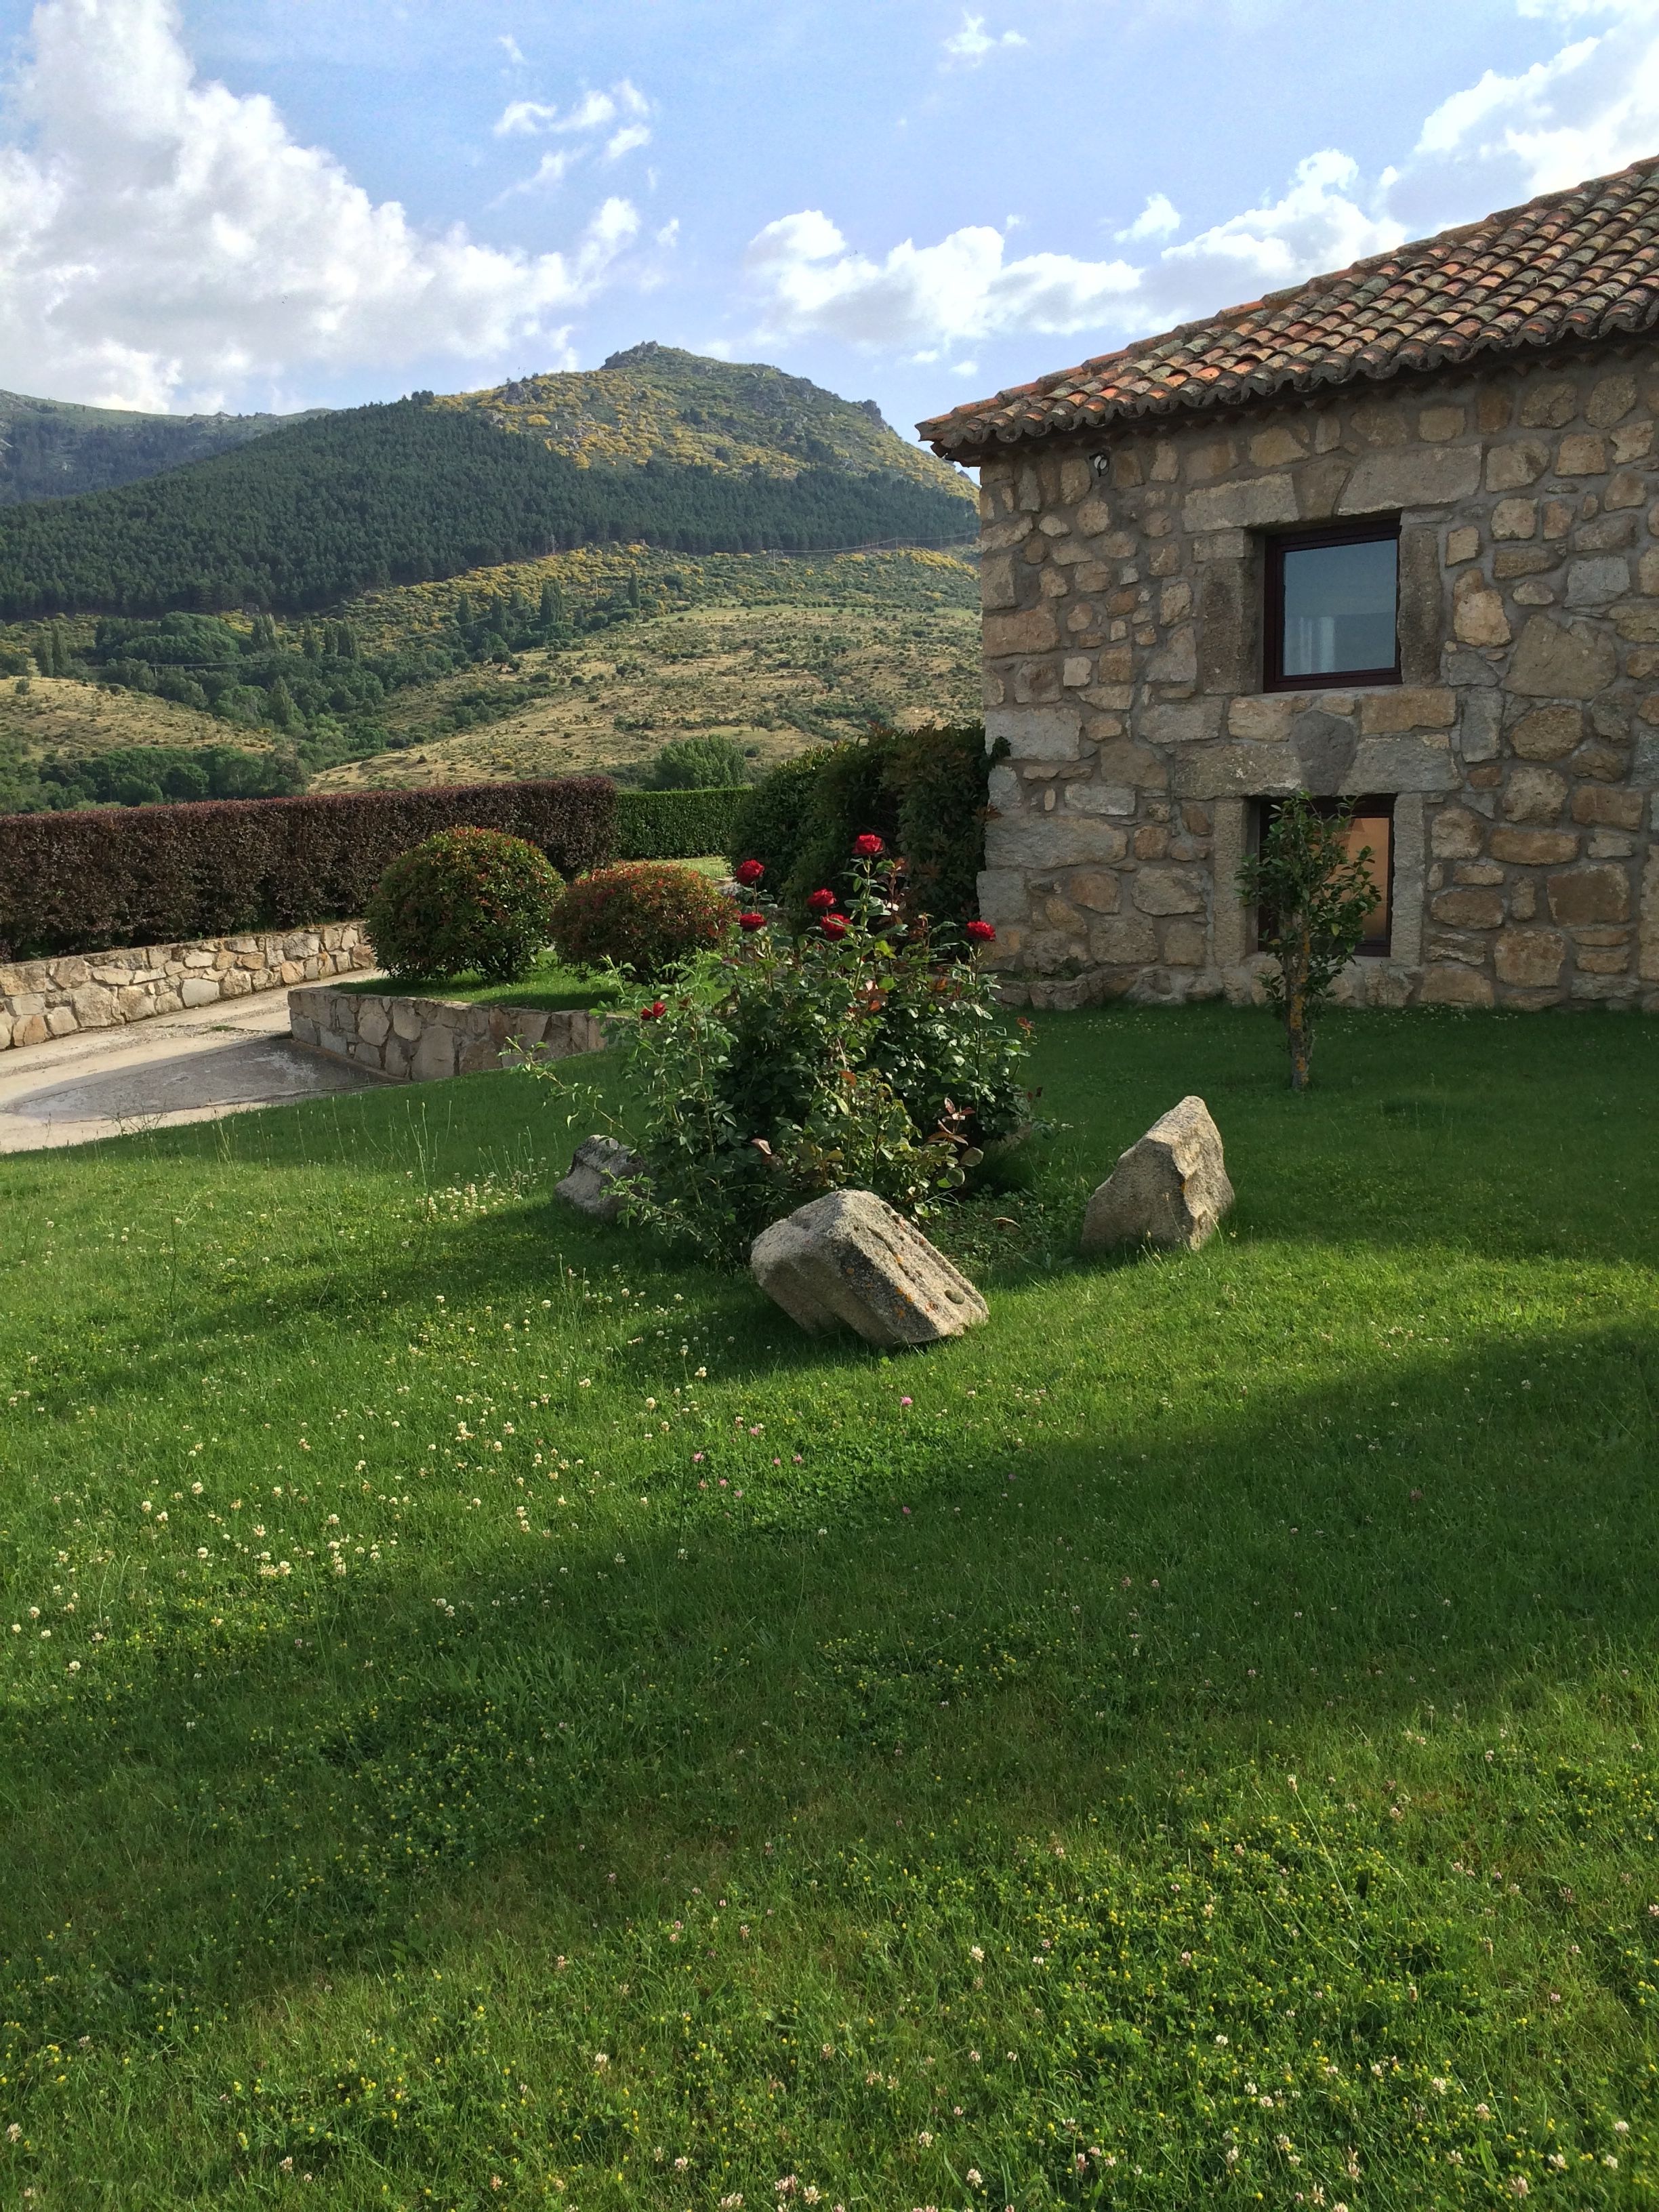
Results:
x,y
642,915
466,902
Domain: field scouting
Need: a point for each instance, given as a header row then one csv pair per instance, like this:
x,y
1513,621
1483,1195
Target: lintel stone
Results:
x,y
1038,733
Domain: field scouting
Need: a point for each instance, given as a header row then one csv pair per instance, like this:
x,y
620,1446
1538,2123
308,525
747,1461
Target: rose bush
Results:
x,y
865,1053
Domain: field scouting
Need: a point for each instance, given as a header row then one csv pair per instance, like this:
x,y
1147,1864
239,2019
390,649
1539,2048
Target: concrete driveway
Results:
x,y
192,1066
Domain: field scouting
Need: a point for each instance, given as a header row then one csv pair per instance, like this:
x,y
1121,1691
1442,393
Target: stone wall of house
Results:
x,y
1122,583
410,1040
43,999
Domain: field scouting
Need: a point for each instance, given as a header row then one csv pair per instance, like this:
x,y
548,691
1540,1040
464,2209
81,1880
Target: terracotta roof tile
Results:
x,y
1579,265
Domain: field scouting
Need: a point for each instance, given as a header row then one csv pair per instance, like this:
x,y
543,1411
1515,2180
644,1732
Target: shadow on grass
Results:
x,y
245,1816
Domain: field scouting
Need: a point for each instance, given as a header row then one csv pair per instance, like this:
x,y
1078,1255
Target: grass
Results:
x,y
549,987
495,1717
53,715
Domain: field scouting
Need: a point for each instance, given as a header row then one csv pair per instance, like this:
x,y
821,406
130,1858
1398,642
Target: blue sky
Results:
x,y
281,203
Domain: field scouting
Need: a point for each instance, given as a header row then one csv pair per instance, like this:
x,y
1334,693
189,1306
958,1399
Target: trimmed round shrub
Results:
x,y
467,901
644,915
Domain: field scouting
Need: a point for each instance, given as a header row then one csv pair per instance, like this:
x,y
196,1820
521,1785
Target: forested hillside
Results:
x,y
52,449
310,515
591,659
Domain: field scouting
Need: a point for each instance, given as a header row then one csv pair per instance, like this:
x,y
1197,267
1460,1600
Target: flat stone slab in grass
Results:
x,y
850,1258
1170,1188
598,1173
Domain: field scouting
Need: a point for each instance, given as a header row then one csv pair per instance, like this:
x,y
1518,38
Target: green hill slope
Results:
x,y
311,515
590,658
53,449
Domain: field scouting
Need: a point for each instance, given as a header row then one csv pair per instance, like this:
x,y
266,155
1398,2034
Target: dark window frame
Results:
x,y
1372,947
1375,531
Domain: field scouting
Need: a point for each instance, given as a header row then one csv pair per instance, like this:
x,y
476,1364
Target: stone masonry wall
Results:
x,y
420,1040
42,998
1122,587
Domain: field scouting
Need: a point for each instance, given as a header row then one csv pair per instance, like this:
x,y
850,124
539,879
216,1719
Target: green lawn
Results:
x,y
495,1717
549,985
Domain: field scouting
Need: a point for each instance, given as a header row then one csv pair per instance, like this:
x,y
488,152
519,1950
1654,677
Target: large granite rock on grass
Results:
x,y
1170,1188
597,1179
849,1258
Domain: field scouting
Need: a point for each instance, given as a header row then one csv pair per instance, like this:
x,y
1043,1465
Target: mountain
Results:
x,y
657,402
658,449
52,449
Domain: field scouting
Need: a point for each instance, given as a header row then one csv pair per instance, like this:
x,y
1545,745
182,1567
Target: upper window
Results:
x,y
1332,606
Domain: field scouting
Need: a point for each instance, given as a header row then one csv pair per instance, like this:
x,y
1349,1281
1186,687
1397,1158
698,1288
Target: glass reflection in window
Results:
x,y
1339,608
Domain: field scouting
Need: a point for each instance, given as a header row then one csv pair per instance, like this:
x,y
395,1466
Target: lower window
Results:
x,y
1371,824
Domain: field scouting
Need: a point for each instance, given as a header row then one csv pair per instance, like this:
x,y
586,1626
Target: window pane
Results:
x,y
1375,830
1340,607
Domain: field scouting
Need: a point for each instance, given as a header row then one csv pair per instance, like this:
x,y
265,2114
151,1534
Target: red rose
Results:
x,y
868,848
751,921
748,871
821,902
981,933
834,925
653,1012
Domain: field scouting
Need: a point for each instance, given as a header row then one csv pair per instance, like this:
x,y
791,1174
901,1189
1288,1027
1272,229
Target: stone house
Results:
x,y
1392,537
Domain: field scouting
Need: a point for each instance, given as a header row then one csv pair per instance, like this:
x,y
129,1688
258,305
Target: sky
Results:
x,y
268,204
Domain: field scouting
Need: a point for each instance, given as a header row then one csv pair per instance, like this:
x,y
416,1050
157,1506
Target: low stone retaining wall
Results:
x,y
43,999
418,1039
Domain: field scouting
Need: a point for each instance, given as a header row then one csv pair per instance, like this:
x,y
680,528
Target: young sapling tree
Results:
x,y
1314,897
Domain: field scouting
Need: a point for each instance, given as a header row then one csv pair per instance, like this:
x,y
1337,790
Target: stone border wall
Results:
x,y
420,1040
44,998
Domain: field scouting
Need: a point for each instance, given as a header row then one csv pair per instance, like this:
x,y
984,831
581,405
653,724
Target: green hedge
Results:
x,y
925,792
97,877
675,825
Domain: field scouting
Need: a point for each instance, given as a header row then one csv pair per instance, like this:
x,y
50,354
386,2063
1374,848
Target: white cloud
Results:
x,y
165,242
521,118
1461,116
510,46
1590,107
811,280
1158,218
1320,223
594,111
548,173
970,45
